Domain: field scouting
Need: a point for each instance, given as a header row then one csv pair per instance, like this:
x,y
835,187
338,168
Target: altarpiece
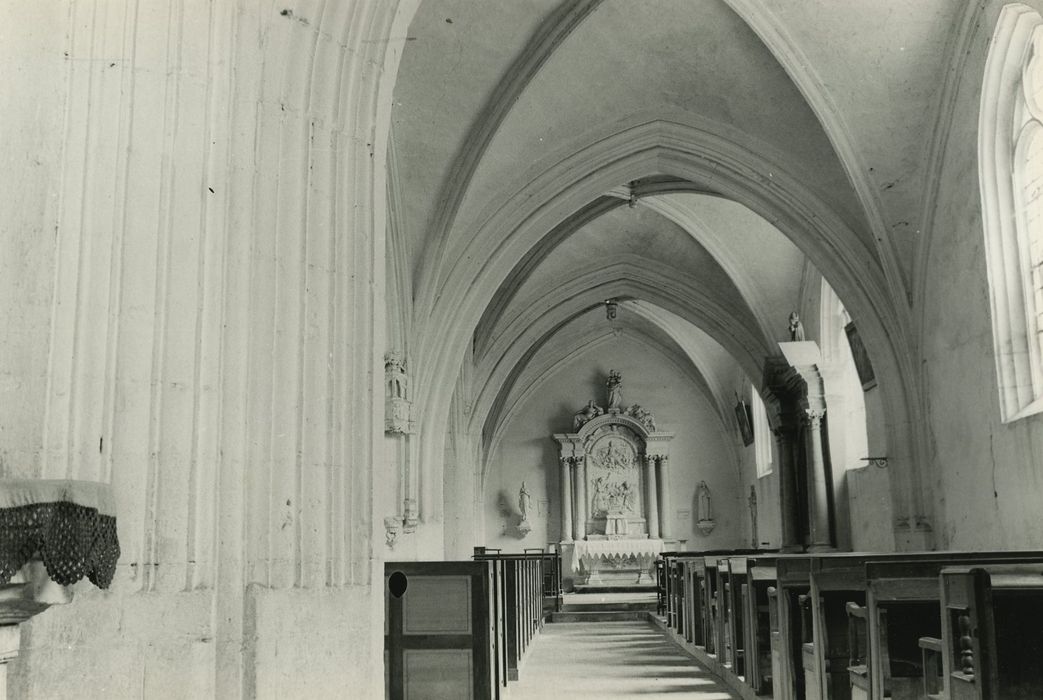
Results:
x,y
614,467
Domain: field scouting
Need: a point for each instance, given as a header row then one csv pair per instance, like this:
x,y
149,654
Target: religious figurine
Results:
x,y
585,414
524,502
796,328
615,389
704,509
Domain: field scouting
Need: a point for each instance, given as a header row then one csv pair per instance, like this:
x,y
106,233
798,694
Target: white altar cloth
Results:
x,y
614,549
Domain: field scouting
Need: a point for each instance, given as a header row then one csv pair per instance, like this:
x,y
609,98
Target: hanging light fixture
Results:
x,y
611,308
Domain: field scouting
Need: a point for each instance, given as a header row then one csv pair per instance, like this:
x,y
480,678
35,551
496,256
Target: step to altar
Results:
x,y
601,616
589,602
606,588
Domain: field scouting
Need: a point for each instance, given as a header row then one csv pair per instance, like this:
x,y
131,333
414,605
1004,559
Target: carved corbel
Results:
x,y
412,517
392,526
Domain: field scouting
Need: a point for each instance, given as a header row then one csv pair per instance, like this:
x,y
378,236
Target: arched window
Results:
x,y
1010,157
762,435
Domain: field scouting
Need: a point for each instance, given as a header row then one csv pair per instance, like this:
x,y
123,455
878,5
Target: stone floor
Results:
x,y
611,660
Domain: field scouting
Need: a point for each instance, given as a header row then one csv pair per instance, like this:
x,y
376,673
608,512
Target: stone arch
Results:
x,y
694,153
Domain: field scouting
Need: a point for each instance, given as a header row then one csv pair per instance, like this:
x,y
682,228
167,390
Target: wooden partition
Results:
x,y
992,632
438,630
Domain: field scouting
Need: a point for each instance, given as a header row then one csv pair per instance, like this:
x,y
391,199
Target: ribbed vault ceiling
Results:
x,y
493,96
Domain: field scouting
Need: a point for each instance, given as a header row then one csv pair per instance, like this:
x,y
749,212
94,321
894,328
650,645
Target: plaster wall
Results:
x,y
31,44
699,451
986,475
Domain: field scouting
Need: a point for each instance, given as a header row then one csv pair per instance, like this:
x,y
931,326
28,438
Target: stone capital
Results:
x,y
812,418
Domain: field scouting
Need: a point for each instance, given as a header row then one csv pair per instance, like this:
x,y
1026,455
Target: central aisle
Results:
x,y
612,660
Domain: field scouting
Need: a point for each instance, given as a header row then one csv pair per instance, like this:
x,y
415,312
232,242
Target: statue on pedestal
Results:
x,y
615,389
796,328
524,504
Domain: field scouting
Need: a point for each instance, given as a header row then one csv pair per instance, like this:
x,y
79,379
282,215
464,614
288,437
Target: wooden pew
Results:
x,y
836,580
858,651
992,632
755,574
904,619
660,586
519,611
731,574
692,574
793,581
550,569
671,581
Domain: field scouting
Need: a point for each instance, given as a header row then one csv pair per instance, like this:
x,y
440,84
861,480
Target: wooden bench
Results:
x,y
903,603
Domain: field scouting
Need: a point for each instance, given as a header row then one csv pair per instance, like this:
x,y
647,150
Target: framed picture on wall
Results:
x,y
862,364
744,418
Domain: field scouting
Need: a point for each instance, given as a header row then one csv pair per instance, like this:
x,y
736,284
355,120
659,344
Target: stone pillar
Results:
x,y
663,487
651,500
566,500
787,489
579,528
820,536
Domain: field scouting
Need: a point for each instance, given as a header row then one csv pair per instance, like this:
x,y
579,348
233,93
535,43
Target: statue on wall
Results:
x,y
524,504
524,501
615,389
585,415
796,328
704,509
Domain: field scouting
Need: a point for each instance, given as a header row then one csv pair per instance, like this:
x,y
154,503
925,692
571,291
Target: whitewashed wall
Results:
x,y
986,474
193,267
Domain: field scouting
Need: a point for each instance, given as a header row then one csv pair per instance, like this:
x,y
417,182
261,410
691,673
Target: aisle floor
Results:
x,y
612,660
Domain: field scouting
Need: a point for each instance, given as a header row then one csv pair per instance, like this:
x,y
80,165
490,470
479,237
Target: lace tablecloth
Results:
x,y
69,525
614,549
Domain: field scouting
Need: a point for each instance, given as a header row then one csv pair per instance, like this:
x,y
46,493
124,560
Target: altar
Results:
x,y
615,562
614,507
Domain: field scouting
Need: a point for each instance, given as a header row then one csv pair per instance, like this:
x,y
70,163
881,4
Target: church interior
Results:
x,y
332,324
